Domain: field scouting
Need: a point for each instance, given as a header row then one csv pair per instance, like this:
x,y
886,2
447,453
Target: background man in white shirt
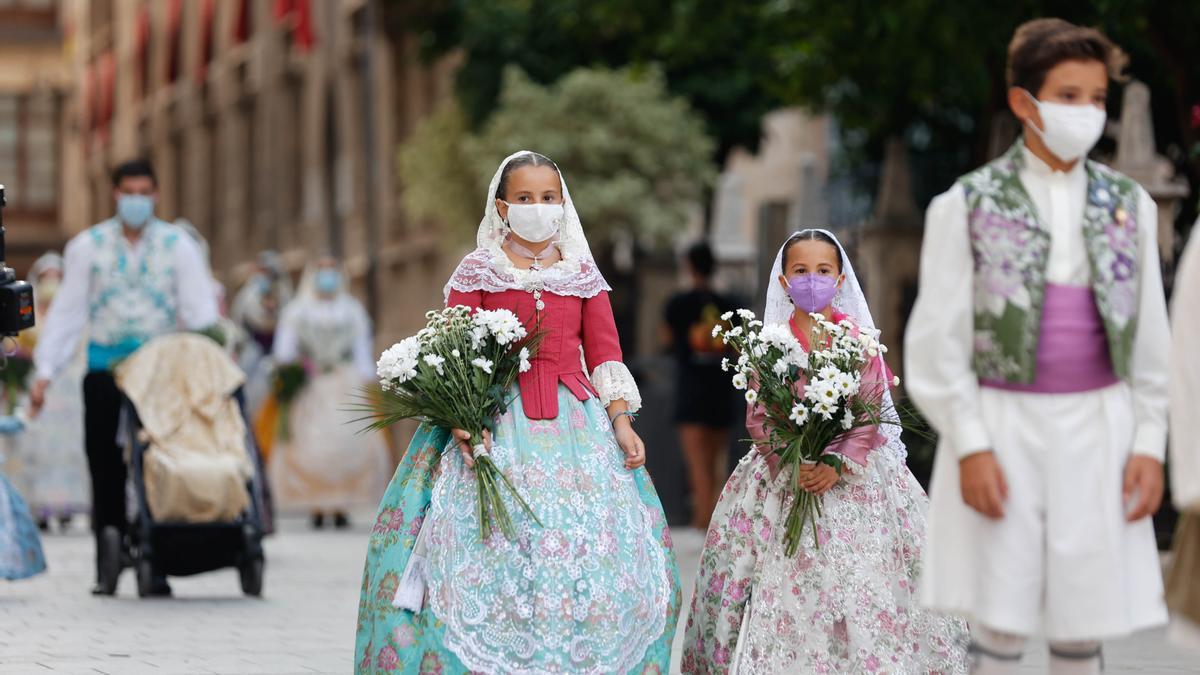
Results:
x,y
126,280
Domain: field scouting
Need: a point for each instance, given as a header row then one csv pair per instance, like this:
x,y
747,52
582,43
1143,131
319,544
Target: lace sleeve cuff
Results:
x,y
613,382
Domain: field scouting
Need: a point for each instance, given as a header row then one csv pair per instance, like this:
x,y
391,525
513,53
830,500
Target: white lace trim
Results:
x,y
490,269
613,382
490,615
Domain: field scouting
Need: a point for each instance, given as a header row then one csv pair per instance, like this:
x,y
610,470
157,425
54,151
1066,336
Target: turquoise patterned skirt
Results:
x,y
593,589
20,549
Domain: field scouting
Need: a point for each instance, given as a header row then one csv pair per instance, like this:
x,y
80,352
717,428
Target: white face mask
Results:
x,y
535,223
1070,131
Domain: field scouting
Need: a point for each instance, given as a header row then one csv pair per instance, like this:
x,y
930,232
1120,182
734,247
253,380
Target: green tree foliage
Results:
x,y
637,159
929,71
439,183
714,53
933,72
886,68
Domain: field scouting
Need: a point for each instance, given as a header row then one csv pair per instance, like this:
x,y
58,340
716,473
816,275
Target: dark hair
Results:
x,y
1038,46
528,159
700,257
810,235
132,169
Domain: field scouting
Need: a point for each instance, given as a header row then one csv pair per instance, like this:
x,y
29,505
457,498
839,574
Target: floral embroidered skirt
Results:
x,y
20,549
593,589
849,606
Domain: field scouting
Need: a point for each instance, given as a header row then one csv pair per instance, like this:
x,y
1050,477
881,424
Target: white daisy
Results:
x,y
825,410
781,367
799,414
436,361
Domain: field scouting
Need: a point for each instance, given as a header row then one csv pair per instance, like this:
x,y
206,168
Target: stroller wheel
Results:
x,y
251,573
109,554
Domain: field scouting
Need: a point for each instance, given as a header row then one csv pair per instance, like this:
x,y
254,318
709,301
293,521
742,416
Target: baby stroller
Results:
x,y
196,491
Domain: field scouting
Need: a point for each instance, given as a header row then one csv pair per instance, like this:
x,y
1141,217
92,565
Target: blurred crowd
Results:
x,y
305,350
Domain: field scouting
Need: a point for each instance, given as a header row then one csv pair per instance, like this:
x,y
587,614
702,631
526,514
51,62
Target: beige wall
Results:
x,y
268,150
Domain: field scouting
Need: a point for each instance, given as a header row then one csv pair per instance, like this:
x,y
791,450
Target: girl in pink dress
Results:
x,y
849,605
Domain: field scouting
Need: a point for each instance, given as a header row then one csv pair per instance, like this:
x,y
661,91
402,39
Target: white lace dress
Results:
x,y
848,607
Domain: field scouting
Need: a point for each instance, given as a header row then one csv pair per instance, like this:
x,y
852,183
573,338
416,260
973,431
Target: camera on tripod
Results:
x,y
16,297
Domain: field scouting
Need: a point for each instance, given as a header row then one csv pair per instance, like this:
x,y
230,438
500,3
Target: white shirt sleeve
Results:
x,y
939,338
1185,383
1150,367
67,315
194,286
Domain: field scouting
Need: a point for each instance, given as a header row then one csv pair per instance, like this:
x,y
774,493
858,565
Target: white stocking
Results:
x,y
1076,658
995,653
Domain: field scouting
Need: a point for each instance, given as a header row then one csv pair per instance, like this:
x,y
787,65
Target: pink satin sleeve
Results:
x,y
756,424
858,443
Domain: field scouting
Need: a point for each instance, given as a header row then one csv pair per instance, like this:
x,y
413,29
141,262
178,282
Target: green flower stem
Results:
x,y
493,514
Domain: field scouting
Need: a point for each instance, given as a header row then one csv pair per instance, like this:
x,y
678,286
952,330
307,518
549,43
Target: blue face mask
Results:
x,y
328,281
135,210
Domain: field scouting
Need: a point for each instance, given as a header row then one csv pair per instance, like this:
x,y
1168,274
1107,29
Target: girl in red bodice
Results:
x,y
595,587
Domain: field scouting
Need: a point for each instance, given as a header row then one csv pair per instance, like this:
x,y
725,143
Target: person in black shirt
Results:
x,y
703,399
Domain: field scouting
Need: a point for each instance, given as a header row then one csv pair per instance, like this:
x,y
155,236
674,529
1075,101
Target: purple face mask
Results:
x,y
812,292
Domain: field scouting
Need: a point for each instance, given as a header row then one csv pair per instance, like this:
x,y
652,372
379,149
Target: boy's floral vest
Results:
x,y
1011,248
132,299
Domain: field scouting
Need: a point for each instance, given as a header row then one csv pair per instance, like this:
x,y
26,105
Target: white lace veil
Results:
x,y
849,300
493,229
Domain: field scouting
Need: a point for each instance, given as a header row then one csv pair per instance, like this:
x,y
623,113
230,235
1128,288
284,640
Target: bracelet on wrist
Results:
x,y
624,413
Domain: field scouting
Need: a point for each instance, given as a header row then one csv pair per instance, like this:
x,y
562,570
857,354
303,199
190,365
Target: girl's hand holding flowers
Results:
x,y
464,444
811,398
816,479
456,373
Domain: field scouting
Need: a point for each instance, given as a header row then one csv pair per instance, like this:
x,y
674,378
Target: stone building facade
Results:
x,y
34,79
762,197
272,124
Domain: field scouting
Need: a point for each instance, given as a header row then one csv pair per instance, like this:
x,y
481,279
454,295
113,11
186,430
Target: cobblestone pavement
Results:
x,y
1146,653
303,624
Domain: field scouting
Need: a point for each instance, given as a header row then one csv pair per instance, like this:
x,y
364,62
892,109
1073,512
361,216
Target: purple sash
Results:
x,y
1072,351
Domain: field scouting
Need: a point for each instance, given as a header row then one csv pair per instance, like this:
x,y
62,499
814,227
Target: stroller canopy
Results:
x,y
196,467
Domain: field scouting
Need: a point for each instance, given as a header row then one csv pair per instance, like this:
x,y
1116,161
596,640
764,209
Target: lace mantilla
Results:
x,y
613,382
490,269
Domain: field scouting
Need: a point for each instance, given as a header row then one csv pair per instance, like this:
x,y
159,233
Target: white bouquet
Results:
x,y
812,398
456,373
